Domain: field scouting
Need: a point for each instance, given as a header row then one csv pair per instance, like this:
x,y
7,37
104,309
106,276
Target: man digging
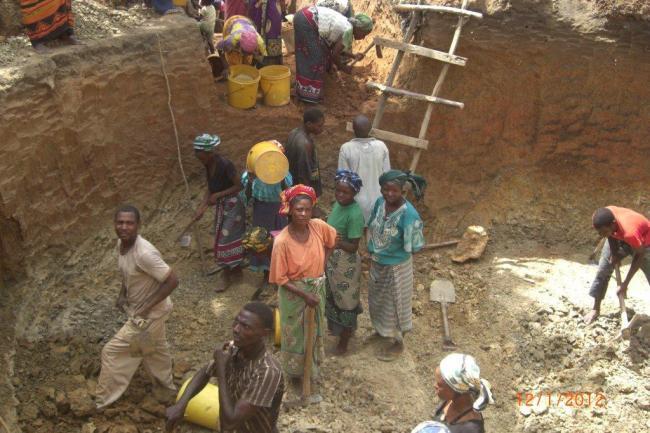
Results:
x,y
147,282
627,233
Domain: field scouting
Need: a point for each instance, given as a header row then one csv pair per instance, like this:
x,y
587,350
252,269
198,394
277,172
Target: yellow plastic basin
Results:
x,y
275,83
243,81
268,162
203,409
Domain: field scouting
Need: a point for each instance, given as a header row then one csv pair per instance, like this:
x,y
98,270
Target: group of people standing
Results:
x,y
315,263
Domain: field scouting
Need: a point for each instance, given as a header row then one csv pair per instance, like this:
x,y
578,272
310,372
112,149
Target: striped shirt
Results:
x,y
260,383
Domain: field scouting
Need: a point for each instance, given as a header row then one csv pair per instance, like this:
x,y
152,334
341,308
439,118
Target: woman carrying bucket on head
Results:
x,y
266,201
241,43
230,217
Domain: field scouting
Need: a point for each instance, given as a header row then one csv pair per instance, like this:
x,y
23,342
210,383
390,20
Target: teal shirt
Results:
x,y
263,191
347,220
393,238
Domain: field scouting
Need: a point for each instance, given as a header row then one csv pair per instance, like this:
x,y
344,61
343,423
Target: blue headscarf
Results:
x,y
349,177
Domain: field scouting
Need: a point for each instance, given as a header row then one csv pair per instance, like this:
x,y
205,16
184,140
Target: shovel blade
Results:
x,y
442,290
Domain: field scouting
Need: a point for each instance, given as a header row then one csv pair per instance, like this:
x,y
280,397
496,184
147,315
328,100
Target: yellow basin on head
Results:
x,y
268,162
203,409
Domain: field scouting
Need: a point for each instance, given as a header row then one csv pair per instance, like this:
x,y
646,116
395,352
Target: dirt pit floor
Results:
x,y
518,311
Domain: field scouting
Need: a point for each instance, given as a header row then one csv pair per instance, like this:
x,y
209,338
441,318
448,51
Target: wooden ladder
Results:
x,y
387,89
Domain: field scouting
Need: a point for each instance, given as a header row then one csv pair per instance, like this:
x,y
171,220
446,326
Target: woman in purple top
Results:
x,y
267,16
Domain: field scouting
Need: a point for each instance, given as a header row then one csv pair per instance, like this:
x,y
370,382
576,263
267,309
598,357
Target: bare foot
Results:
x,y
392,352
342,347
71,40
41,48
591,316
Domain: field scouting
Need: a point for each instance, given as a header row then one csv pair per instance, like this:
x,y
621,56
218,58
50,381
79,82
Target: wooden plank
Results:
x,y
410,31
436,8
424,127
422,51
413,95
394,137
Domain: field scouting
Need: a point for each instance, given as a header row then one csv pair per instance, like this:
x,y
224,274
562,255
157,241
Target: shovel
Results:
x,y
443,291
625,323
378,51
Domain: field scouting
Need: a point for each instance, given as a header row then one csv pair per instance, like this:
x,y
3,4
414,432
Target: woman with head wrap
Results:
x,y
241,43
394,233
463,393
344,264
298,267
266,205
230,218
321,35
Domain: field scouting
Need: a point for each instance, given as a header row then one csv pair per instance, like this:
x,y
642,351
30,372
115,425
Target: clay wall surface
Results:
x,y
10,18
87,128
556,118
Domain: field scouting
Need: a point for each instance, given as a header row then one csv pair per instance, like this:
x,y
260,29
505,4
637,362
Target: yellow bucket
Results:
x,y
268,162
242,86
203,409
180,3
277,337
275,85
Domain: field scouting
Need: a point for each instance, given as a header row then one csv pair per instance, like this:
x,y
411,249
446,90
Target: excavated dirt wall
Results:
x,y
86,128
556,119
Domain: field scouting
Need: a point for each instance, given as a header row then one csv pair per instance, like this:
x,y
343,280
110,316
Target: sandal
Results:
x,y
387,356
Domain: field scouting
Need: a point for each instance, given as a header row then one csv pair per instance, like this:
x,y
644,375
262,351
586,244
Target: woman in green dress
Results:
x,y
344,264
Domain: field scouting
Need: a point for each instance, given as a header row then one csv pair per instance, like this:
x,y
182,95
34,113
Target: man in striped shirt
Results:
x,y
250,380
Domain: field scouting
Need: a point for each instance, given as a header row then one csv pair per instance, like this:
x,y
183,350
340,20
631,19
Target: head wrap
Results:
x,y
206,142
349,177
362,22
248,42
401,177
290,193
462,374
257,239
431,427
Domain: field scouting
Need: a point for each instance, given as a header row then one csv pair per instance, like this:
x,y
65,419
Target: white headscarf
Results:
x,y
463,375
430,427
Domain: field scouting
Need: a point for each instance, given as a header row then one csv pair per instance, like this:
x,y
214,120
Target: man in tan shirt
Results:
x,y
147,282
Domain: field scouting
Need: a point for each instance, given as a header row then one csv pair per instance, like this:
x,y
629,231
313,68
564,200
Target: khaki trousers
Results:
x,y
122,355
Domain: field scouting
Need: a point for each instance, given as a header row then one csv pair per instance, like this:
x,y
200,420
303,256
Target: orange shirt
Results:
x,y
292,260
633,228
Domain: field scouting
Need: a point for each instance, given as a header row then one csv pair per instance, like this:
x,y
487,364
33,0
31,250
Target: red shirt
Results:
x,y
633,228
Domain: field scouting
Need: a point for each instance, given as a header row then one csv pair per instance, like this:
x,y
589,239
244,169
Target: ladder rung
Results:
x,y
395,137
413,95
421,51
436,8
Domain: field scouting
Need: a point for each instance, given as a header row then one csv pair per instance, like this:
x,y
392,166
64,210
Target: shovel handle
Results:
x,y
621,298
364,53
310,331
445,320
